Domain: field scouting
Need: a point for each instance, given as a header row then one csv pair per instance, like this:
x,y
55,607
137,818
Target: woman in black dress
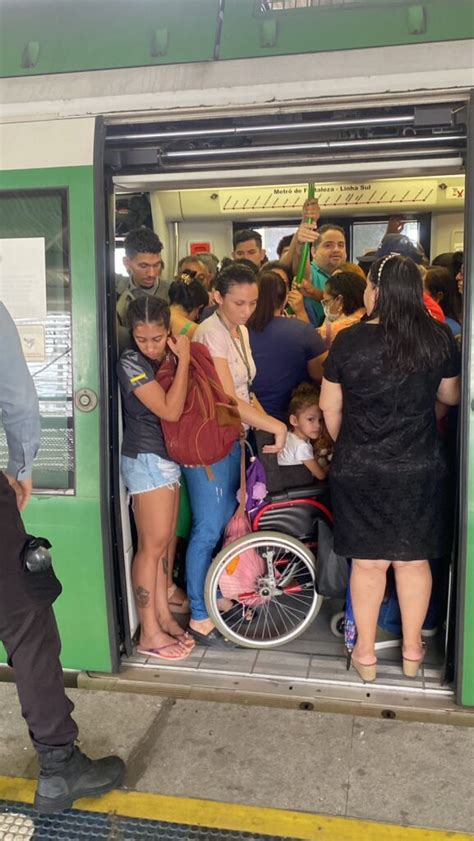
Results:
x,y
382,381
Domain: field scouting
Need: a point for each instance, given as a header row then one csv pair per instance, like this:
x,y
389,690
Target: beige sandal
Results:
x,y
177,606
412,667
368,673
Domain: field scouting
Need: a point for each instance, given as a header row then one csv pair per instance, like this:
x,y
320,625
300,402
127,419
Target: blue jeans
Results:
x,y
213,502
390,617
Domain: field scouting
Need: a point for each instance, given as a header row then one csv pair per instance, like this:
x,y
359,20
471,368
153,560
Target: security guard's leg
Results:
x,y
32,642
30,635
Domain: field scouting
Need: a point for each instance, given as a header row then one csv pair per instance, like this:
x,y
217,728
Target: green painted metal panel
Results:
x,y
467,617
57,36
73,522
466,583
323,28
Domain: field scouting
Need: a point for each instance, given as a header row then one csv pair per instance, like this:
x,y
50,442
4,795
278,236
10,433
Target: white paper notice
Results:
x,y
33,342
23,277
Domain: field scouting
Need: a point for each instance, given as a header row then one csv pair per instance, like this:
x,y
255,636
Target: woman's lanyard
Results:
x,y
239,346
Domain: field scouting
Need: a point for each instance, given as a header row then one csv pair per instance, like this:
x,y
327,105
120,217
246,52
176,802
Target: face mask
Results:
x,y
331,316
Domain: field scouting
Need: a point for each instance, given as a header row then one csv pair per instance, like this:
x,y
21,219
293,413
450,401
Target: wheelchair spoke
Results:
x,y
281,615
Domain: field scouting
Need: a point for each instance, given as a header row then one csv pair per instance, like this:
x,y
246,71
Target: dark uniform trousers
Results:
x,y
30,635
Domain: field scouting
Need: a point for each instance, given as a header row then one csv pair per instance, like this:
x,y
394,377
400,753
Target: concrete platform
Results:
x,y
409,774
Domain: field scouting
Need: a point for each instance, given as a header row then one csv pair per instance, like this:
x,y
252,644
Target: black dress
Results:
x,y
388,477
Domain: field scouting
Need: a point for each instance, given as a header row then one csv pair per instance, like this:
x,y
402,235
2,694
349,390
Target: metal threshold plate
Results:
x,y
285,679
300,670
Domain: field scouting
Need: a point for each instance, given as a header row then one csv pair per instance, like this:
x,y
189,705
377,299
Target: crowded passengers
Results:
x,y
373,361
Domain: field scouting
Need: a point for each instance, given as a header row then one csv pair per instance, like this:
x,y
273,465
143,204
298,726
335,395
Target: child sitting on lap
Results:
x,y
306,423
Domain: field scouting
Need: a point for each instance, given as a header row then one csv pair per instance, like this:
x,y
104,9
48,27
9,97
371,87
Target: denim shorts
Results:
x,y
148,472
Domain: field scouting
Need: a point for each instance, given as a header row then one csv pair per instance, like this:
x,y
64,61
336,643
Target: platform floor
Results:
x,y
129,817
296,774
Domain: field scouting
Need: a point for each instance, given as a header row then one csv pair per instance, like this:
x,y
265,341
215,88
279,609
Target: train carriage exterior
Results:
x,y
203,107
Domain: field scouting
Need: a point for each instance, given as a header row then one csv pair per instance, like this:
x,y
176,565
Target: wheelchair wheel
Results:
x,y
337,624
279,600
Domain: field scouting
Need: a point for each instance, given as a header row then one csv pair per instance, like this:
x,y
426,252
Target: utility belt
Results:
x,y
39,577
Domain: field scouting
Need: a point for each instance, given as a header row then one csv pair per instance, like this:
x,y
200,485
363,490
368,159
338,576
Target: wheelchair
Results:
x,y
277,599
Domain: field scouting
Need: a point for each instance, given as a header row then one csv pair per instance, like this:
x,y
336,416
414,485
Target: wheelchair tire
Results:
x,y
337,624
288,605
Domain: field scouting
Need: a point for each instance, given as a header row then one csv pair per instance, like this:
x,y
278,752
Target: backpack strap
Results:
x,y
210,473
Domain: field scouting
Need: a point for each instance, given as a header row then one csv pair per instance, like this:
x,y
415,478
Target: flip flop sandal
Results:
x,y
185,639
212,640
157,652
177,607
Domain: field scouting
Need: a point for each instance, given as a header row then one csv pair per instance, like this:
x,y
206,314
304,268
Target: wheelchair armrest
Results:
x,y
317,490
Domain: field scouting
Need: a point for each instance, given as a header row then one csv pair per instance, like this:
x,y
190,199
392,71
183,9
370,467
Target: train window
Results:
x,y
119,254
368,235
285,5
271,236
47,340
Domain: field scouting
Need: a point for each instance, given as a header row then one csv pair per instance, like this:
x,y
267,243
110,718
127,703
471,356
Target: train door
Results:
x,y
464,644
143,161
48,281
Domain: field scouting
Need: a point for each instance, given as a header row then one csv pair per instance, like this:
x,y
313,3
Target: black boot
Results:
x,y
67,774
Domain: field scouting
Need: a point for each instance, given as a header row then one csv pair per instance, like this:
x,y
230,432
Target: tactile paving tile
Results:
x,y
19,822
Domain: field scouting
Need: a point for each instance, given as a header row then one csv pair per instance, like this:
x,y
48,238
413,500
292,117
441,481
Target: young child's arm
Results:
x,y
316,469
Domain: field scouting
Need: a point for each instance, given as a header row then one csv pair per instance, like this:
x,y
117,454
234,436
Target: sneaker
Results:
x,y
66,774
385,639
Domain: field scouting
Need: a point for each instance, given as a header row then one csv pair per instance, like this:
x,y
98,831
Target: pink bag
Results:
x,y
239,579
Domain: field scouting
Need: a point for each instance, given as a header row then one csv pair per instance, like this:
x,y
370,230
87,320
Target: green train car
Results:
x,y
194,117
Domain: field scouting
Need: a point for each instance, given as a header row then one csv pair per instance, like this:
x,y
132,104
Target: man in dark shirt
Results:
x,y
28,627
248,246
144,265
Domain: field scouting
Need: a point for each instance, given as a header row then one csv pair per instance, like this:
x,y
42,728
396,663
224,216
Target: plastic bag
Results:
x,y
239,580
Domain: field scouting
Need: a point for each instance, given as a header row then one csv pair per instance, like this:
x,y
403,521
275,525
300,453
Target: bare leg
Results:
x,y
368,581
171,556
163,613
413,581
177,598
154,512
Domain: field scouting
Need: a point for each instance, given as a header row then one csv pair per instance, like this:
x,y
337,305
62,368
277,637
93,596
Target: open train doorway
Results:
x,y
199,189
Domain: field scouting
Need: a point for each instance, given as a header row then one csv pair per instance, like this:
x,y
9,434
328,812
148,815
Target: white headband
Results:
x,y
382,264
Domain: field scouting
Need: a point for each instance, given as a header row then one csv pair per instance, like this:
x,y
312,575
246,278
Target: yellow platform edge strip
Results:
x,y
231,816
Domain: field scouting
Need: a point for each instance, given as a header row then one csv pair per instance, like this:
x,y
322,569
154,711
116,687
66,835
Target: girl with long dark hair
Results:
x,y
285,350
150,477
389,474
213,502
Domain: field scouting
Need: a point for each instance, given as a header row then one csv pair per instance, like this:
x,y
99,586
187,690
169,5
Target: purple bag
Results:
x,y
255,483
256,486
